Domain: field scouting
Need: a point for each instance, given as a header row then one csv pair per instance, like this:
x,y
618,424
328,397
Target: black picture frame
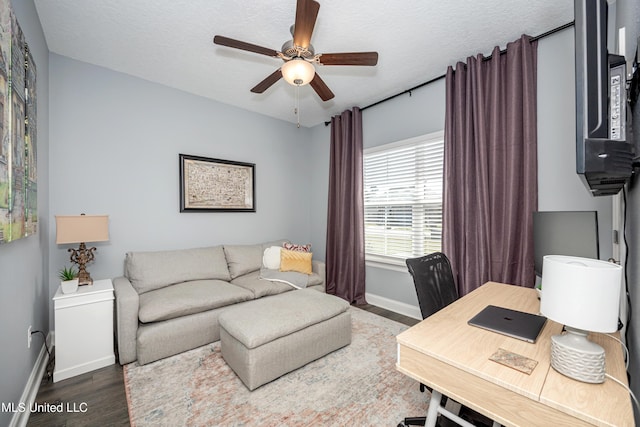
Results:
x,y
216,185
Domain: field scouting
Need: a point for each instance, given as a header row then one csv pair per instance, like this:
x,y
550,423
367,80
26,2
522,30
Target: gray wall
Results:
x,y
633,266
319,190
115,141
559,187
423,112
628,16
24,294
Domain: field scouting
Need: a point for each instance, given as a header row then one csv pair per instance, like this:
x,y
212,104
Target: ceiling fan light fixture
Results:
x,y
298,72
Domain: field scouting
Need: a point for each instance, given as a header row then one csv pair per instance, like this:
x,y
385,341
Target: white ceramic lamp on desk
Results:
x,y
81,229
584,295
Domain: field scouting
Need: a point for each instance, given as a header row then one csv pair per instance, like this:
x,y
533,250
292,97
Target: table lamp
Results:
x,y
584,295
81,229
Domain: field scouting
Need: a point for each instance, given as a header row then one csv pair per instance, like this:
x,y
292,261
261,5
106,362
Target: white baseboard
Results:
x,y
72,371
20,418
395,306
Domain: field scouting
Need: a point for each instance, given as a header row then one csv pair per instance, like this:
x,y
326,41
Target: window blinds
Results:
x,y
403,198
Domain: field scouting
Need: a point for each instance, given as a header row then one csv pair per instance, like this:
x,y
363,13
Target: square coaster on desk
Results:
x,y
513,360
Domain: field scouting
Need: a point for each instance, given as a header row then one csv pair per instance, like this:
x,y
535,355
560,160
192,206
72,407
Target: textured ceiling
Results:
x,y
170,42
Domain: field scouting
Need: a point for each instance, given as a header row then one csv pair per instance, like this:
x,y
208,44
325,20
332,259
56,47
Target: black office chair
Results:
x,y
434,282
436,289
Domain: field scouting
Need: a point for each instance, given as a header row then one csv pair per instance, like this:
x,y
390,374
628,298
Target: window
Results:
x,y
403,199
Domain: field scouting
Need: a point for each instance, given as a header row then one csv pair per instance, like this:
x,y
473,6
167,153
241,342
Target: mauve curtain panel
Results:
x,y
345,222
490,167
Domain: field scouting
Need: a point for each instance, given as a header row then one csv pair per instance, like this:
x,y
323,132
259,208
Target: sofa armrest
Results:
x,y
319,267
127,304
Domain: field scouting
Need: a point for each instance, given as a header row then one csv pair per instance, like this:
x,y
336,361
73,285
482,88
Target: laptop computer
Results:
x,y
513,323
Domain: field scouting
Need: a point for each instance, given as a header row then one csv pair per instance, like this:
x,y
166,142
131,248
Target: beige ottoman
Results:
x,y
264,339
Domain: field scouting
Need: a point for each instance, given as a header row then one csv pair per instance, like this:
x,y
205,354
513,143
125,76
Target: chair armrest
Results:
x,y
127,305
319,267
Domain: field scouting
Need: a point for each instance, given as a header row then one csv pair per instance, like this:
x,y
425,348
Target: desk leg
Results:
x,y
432,411
435,408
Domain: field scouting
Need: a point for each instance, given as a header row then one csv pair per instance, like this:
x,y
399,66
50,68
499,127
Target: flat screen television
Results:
x,y
604,157
573,233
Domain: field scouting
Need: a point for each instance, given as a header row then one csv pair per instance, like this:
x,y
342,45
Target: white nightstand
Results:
x,y
83,329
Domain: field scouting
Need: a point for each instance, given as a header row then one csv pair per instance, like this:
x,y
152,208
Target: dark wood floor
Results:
x,y
99,396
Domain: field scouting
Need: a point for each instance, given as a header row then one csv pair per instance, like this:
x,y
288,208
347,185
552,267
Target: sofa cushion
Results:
x,y
187,298
153,270
243,259
259,287
295,261
296,247
271,258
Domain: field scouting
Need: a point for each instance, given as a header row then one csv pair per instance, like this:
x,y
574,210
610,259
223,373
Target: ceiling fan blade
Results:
x,y
306,14
321,88
237,44
268,82
349,58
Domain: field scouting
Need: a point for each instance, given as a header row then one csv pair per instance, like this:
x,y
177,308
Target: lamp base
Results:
x,y
574,356
82,256
84,279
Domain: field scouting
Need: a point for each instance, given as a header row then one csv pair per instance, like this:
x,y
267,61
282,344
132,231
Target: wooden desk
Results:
x,y
452,357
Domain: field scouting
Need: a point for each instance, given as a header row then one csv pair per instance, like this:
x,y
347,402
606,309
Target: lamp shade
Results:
x,y
82,228
298,72
581,293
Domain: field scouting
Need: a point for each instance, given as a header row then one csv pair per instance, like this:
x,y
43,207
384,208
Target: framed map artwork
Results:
x,y
214,185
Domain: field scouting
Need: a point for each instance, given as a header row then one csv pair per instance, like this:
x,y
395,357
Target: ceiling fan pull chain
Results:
x,y
296,109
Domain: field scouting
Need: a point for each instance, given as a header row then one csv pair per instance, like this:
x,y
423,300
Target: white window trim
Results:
x,y
433,136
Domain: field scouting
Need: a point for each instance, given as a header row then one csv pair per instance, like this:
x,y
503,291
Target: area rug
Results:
x,y
357,385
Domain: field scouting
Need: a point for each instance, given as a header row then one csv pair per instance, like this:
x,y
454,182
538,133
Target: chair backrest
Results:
x,y
434,282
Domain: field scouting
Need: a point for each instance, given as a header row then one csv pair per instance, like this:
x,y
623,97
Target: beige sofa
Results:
x,y
168,302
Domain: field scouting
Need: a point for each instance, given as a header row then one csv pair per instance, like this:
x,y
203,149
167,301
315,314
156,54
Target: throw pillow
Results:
x,y
271,258
299,248
295,261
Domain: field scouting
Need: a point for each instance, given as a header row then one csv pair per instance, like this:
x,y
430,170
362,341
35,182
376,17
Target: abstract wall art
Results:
x,y
18,137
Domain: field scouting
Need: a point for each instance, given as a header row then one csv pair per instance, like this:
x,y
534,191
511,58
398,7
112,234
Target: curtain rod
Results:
x,y
534,38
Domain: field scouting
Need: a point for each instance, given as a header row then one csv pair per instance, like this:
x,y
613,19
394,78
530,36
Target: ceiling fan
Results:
x,y
299,55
